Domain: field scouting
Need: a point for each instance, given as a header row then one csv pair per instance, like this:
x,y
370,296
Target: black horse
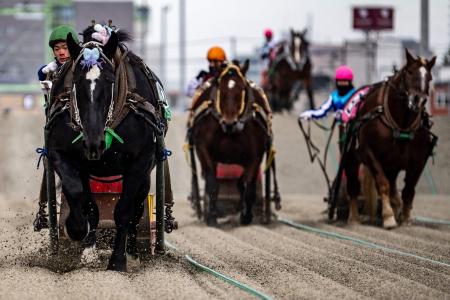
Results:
x,y
93,129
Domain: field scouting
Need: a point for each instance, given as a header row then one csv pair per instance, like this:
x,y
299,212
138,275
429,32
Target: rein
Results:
x,y
123,100
217,98
402,133
314,151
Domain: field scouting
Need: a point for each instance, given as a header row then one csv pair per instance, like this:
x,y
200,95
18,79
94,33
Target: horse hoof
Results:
x,y
117,263
407,221
389,222
354,221
265,220
211,222
246,219
133,262
76,232
89,240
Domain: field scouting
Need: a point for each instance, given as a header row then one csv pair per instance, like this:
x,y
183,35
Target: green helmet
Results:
x,y
59,34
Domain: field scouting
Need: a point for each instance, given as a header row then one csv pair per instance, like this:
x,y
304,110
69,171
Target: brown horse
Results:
x,y
230,123
290,67
392,133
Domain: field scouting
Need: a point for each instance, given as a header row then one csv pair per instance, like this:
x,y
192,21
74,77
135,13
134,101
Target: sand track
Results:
x,y
281,261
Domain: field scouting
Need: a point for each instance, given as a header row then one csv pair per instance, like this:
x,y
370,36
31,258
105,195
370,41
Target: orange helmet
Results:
x,y
216,53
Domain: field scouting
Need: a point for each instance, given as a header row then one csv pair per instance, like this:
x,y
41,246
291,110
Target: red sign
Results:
x,y
373,18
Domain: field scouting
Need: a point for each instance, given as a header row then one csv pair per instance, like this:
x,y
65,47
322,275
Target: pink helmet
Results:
x,y
268,33
344,73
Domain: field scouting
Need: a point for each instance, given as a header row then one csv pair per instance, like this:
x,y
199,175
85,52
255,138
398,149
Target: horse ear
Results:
x,y
74,48
235,62
245,67
409,58
304,32
431,63
111,46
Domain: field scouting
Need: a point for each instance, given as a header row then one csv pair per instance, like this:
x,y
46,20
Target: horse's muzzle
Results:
x,y
417,101
231,127
94,152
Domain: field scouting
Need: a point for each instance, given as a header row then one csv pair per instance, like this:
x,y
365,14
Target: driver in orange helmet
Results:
x,y
216,58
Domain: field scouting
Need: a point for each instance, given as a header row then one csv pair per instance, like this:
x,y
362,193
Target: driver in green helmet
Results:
x,y
58,44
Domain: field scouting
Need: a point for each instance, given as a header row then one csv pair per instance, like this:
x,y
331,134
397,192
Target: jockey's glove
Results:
x,y
201,74
46,85
306,115
50,67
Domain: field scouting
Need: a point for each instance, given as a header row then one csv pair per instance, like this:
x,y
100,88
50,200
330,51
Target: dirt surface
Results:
x,y
280,261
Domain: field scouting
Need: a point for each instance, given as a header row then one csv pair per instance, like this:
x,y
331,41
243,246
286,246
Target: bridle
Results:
x,y
238,125
73,95
403,89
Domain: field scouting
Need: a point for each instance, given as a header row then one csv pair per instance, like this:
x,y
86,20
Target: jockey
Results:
x,y
338,98
216,57
268,46
267,53
58,44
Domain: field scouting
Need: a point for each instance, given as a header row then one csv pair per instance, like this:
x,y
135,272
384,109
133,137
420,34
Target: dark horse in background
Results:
x,y
78,139
392,133
290,68
233,128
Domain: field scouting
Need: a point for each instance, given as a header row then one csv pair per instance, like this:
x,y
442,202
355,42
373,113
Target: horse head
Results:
x,y
93,91
230,99
298,46
416,77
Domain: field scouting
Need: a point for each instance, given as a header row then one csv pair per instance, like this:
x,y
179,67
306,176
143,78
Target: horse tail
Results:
x,y
369,193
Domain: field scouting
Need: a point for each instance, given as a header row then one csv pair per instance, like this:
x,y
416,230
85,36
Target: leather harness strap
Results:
x,y
125,96
251,111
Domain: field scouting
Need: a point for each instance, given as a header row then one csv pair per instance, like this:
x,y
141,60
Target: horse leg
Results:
x,y
309,90
383,187
212,192
211,184
77,225
124,212
409,190
353,188
90,210
131,247
249,194
395,199
370,194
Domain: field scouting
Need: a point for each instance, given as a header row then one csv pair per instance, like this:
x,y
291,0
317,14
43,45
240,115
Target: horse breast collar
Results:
x,y
248,110
124,98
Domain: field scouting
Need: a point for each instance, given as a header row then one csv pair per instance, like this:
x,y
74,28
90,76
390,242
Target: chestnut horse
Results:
x,y
230,123
290,67
391,134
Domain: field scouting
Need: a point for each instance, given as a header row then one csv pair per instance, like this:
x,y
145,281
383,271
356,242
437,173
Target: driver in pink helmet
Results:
x,y
269,44
338,98
267,53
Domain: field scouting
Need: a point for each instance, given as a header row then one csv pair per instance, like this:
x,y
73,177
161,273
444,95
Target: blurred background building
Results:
x,y
173,36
